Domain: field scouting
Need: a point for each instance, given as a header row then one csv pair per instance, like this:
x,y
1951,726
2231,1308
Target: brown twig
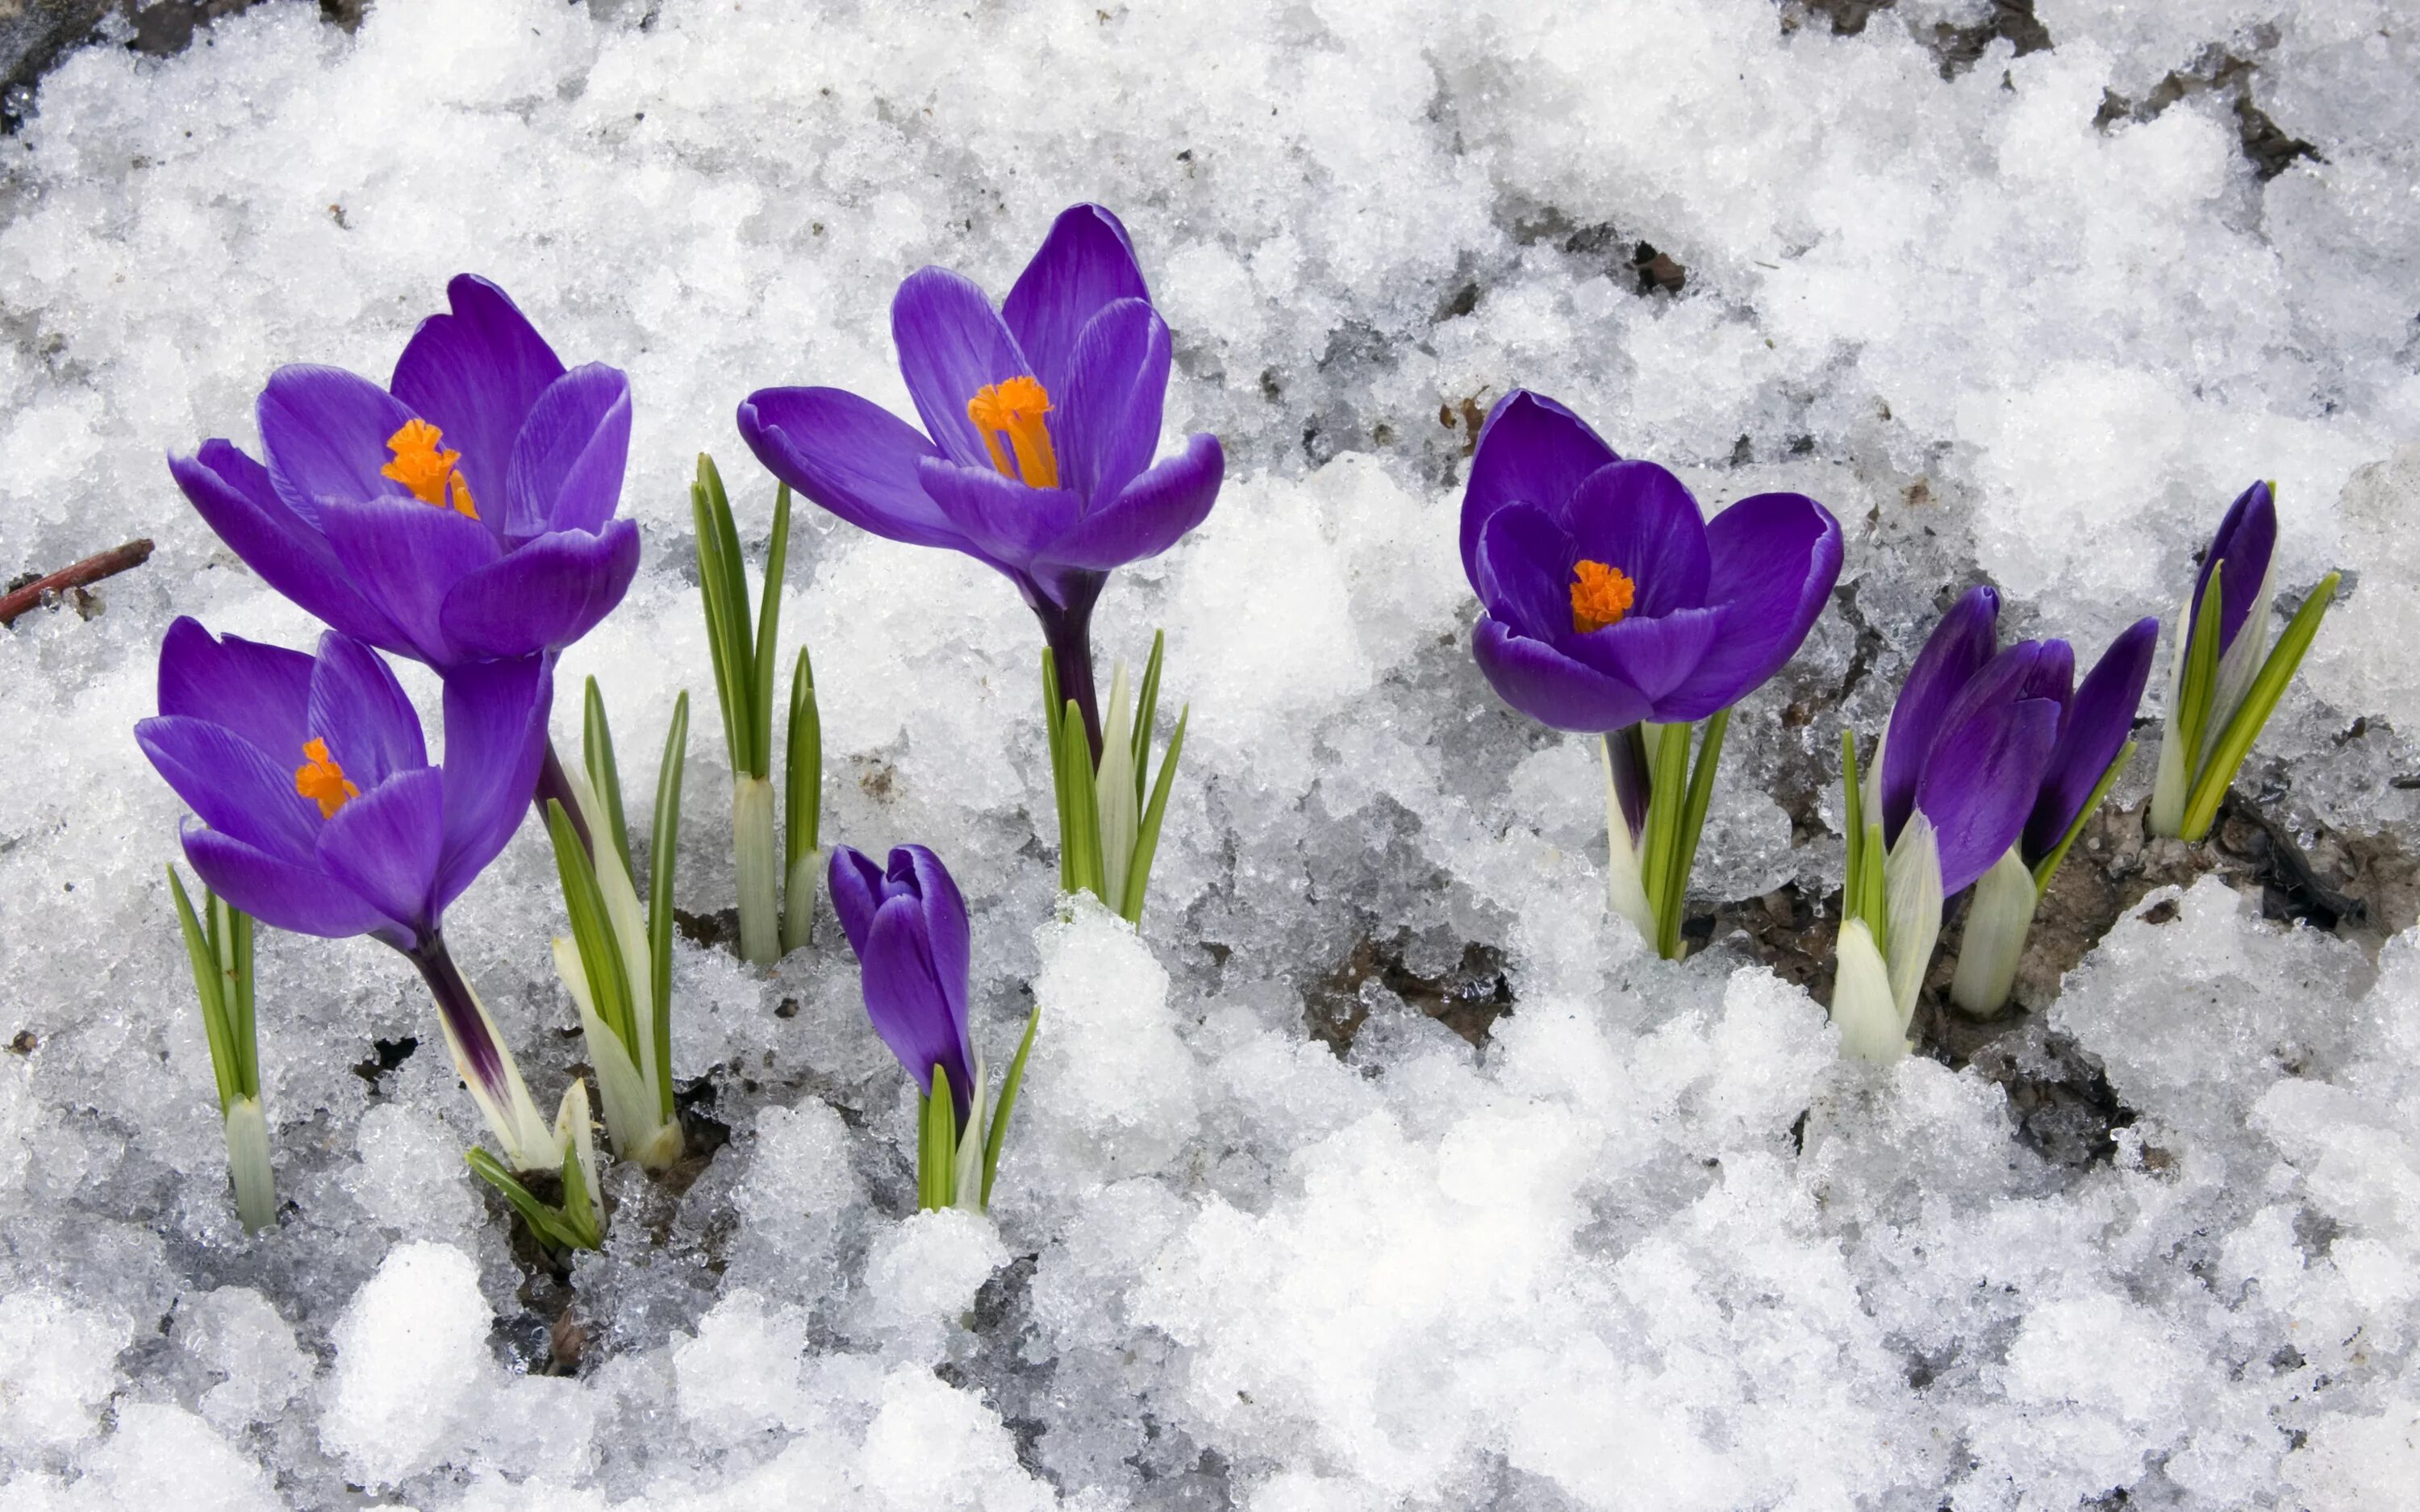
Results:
x,y
91,569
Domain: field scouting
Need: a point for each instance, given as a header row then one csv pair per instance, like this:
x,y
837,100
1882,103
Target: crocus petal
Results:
x,y
284,894
1150,514
1523,578
1000,520
408,556
2245,540
385,844
235,498
495,740
544,594
567,461
257,691
1776,557
905,1000
2052,677
1108,411
1532,451
851,456
1084,265
1551,687
475,375
1978,786
2097,724
952,345
946,934
235,786
1638,518
1654,656
856,891
1958,647
360,710
325,432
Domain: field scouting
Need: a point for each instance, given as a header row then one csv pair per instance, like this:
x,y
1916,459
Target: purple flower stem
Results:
x,y
1069,631
459,1009
551,783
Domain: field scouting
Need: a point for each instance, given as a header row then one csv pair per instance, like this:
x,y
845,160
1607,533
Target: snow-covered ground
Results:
x,y
2031,319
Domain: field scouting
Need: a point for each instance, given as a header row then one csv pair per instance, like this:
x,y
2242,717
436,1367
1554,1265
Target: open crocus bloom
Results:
x,y
463,513
324,814
1609,598
1040,420
908,925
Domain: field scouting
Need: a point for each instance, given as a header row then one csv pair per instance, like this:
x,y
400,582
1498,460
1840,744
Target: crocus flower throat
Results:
x,y
1600,595
423,466
322,781
1015,408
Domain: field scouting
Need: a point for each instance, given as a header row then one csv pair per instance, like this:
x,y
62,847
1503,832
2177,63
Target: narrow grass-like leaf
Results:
x,y
733,677
2048,868
2259,702
1852,890
1666,798
802,786
545,1222
231,927
1872,900
1146,711
769,625
1118,791
664,852
1147,833
937,1150
1010,1085
600,957
604,775
1692,824
1079,823
2202,676
207,981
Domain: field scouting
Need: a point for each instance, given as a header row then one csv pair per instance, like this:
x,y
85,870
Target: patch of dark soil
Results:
x,y
1790,932
2065,1109
719,930
1955,49
1468,999
36,35
2266,145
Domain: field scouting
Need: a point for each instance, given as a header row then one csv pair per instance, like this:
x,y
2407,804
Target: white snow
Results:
x,y
1656,1246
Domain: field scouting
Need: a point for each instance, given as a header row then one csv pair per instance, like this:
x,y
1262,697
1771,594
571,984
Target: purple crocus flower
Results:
x,y
325,816
1609,598
909,927
2093,727
2246,539
1040,420
464,513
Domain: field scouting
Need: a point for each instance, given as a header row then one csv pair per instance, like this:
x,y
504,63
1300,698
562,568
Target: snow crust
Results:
x,y
1655,1246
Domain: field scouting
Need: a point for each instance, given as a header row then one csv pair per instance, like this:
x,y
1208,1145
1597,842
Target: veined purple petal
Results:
x,y
2052,677
1653,654
408,556
385,844
851,456
1638,518
1524,574
475,375
360,710
1551,687
1532,451
325,432
495,739
952,345
1107,419
236,788
544,594
2097,724
945,918
905,1000
1000,520
567,461
856,891
1150,515
235,498
1958,647
2246,538
257,691
284,894
1084,265
1776,557
1980,782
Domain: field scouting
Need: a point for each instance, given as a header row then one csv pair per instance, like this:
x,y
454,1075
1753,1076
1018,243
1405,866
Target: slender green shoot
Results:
x,y
2245,724
2048,867
1010,1085
218,947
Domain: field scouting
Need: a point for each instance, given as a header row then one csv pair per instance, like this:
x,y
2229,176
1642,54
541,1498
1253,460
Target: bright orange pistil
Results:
x,y
322,781
1015,408
1600,596
427,469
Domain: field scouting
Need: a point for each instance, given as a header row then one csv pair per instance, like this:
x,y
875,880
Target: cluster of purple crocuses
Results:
x,y
464,516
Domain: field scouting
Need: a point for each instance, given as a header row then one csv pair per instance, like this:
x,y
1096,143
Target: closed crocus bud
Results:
x,y
908,925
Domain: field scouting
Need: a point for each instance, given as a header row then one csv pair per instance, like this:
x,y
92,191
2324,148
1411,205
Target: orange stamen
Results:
x,y
427,469
1015,408
322,781
1600,595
